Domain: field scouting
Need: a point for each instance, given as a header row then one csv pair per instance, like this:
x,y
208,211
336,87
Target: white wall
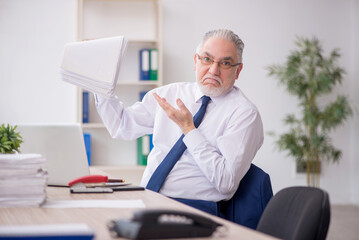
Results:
x,y
33,33
354,93
268,29
32,36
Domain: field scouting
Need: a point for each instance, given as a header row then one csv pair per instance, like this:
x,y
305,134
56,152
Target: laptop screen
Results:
x,y
63,147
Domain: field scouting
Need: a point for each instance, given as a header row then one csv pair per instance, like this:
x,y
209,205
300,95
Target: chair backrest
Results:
x,y
297,213
250,199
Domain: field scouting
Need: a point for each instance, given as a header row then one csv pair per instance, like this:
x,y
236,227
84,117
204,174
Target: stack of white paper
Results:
x,y
94,65
23,180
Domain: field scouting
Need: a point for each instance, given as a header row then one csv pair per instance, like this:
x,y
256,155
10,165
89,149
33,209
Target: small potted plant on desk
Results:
x,y
10,140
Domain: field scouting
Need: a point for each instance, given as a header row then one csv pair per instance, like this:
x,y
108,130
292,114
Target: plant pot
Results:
x,y
314,167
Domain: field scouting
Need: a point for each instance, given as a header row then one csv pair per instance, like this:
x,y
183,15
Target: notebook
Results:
x,y
63,147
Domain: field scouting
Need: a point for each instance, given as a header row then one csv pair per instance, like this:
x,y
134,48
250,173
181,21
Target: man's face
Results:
x,y
212,79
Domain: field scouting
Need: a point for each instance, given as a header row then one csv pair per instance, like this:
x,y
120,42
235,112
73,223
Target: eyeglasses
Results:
x,y
223,64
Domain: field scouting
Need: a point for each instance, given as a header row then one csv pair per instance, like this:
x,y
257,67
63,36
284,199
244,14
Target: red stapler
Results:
x,y
96,180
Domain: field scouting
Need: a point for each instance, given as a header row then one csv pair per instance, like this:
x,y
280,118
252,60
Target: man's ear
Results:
x,y
239,69
195,61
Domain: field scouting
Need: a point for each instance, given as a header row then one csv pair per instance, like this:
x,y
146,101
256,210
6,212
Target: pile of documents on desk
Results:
x,y
23,180
94,65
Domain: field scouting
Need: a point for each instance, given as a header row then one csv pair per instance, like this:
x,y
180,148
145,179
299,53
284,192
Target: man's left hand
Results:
x,y
182,116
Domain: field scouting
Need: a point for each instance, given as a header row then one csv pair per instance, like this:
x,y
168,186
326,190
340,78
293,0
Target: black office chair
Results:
x,y
297,213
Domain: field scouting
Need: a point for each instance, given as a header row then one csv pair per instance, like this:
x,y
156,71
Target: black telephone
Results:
x,y
155,224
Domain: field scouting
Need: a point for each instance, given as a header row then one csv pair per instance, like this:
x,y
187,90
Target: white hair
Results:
x,y
227,35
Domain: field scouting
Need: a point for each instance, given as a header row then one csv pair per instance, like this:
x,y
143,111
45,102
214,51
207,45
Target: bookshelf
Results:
x,y
140,22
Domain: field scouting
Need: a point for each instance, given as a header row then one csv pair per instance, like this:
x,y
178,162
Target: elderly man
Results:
x,y
197,160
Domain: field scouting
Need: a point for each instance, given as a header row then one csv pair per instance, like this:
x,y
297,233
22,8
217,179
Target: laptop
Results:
x,y
63,147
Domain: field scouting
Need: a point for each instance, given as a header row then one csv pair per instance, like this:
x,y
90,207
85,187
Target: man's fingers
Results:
x,y
181,106
165,105
162,102
182,116
158,98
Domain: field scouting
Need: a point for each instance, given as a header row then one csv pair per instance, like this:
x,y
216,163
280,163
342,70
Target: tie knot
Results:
x,y
205,100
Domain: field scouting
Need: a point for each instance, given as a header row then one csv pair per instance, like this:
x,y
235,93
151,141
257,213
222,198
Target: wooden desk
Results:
x,y
97,218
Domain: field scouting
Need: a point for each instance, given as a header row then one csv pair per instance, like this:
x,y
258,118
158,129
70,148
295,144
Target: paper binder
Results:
x,y
145,64
154,64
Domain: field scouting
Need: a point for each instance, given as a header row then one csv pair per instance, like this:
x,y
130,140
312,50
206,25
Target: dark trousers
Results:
x,y
206,206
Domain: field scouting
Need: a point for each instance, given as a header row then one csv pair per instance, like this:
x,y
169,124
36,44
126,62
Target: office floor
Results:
x,y
344,222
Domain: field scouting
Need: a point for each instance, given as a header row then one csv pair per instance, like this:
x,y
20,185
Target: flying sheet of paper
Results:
x,y
93,204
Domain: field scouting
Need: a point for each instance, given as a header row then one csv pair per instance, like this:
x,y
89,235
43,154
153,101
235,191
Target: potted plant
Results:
x,y
309,75
10,140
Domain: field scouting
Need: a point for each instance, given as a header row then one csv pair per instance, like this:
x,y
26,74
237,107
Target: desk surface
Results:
x,y
97,218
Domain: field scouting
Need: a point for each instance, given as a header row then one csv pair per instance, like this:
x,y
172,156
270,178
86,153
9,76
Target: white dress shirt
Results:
x,y
219,152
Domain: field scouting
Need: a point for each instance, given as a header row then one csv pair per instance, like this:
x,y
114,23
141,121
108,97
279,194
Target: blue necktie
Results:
x,y
159,176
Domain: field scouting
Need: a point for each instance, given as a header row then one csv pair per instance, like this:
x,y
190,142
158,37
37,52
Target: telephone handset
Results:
x,y
150,224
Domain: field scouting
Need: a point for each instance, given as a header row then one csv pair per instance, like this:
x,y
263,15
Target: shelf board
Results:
x,y
92,125
130,40
142,41
139,83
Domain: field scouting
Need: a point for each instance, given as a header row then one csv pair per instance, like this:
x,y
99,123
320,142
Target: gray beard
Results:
x,y
211,91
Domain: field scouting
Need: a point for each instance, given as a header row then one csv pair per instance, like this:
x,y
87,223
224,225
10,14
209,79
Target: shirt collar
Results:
x,y
198,94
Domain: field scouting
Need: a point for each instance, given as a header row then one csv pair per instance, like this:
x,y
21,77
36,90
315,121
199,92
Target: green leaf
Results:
x,y
10,140
335,113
